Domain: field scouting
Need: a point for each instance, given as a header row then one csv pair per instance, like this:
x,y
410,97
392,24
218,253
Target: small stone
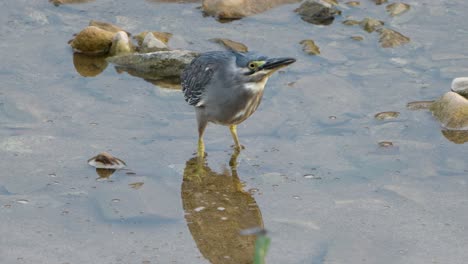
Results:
x,y
105,160
385,144
151,44
386,115
460,86
317,13
136,185
309,47
396,9
379,2
353,3
390,38
230,44
162,36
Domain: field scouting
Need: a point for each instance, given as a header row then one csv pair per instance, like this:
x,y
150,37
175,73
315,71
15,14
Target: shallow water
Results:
x,y
312,171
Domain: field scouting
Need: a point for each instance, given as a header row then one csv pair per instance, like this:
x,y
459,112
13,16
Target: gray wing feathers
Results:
x,y
194,78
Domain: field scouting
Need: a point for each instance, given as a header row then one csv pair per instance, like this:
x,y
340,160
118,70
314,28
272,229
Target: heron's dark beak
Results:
x,y
276,63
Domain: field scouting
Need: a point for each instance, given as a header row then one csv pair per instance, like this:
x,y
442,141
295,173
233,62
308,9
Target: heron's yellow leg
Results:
x,y
233,129
201,148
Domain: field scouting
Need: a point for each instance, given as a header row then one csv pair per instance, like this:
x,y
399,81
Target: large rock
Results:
x,y
317,12
156,64
235,9
451,110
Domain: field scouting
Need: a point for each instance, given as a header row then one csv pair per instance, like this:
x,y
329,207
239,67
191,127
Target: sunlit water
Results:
x,y
313,172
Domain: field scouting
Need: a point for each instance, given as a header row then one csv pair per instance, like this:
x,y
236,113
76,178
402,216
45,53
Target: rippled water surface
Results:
x,y
313,173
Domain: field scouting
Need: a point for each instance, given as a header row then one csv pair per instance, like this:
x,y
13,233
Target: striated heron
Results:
x,y
226,87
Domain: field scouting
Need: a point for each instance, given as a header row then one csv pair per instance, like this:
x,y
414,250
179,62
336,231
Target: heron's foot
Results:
x,y
238,147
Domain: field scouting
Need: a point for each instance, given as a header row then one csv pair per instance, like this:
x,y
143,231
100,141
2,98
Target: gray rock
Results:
x,y
159,63
318,13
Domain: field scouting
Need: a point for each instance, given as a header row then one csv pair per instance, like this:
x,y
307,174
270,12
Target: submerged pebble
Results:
x,y
418,105
309,47
230,44
396,9
371,24
390,38
386,115
379,2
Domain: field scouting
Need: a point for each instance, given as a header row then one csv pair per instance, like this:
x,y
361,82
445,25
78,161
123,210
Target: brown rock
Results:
x,y
309,47
92,40
106,26
379,2
390,38
231,45
396,9
353,3
235,9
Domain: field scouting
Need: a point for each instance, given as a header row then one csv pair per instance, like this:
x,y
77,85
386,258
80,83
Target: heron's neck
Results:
x,y
256,87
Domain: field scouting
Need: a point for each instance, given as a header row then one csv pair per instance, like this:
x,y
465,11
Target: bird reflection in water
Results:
x,y
217,210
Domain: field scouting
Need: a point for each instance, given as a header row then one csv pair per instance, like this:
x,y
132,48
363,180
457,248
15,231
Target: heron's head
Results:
x,y
256,68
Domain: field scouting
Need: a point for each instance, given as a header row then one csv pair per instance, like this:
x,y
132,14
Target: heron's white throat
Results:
x,y
256,87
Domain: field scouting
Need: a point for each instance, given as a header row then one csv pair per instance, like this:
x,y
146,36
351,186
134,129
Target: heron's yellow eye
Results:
x,y
252,66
